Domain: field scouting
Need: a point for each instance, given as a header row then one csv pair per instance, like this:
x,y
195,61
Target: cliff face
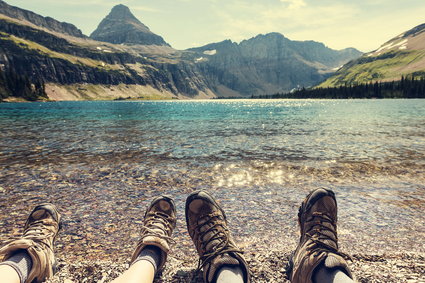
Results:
x,y
20,86
45,22
121,26
269,63
40,55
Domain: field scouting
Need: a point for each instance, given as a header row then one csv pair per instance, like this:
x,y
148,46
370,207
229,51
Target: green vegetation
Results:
x,y
386,67
52,46
30,45
409,87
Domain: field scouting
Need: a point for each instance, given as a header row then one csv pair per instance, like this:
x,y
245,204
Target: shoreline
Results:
x,y
142,98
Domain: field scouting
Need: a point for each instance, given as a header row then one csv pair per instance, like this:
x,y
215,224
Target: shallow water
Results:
x,y
102,162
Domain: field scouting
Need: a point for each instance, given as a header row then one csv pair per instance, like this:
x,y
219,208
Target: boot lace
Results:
x,y
318,237
219,232
155,221
39,231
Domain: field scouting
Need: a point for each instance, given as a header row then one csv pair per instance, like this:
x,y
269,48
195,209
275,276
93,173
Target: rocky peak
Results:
x,y
122,13
122,27
270,36
271,41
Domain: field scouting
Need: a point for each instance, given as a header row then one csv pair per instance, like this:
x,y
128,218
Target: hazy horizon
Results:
x,y
364,25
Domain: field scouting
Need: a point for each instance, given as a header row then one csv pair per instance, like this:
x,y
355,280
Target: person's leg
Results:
x,y
220,258
9,275
151,252
21,263
139,272
31,256
317,258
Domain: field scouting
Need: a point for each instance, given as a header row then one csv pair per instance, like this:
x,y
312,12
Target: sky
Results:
x,y
362,24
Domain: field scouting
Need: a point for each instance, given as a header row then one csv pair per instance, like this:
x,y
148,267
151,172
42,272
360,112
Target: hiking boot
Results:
x,y
40,232
207,226
318,244
158,225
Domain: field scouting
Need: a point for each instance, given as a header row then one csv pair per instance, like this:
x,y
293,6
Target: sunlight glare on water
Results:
x,y
251,154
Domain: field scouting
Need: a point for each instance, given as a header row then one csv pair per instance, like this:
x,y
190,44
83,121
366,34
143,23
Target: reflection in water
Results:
x,y
103,161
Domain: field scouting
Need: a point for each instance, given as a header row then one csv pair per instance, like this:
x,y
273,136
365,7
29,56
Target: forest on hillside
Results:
x,y
407,87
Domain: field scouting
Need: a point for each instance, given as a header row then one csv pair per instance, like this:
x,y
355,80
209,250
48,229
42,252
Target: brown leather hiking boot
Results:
x,y
318,244
207,226
40,231
158,225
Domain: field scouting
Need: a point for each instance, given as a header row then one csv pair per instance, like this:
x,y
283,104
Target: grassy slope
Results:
x,y
386,67
24,43
403,55
57,92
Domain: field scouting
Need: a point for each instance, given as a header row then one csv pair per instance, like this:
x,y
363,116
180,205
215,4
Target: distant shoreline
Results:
x,y
13,100
406,88
409,87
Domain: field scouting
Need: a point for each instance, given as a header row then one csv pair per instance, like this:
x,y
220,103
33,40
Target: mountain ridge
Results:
x,y
269,63
45,22
403,55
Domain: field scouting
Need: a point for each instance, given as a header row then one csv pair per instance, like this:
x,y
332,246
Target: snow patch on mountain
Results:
x,y
210,52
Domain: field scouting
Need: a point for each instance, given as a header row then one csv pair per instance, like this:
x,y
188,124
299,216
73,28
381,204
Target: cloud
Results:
x,y
145,9
294,4
74,3
241,20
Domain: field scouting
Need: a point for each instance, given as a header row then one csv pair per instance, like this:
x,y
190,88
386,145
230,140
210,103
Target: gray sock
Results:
x,y
152,254
230,274
21,262
326,275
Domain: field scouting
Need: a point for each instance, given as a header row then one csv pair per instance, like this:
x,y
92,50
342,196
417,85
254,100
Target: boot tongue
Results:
x,y
158,228
216,263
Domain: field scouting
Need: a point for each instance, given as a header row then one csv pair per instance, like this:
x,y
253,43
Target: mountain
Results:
x,y
40,61
40,21
403,55
121,26
268,63
78,68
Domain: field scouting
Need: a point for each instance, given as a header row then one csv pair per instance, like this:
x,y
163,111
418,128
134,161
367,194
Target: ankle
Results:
x,y
152,254
9,274
324,274
21,262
